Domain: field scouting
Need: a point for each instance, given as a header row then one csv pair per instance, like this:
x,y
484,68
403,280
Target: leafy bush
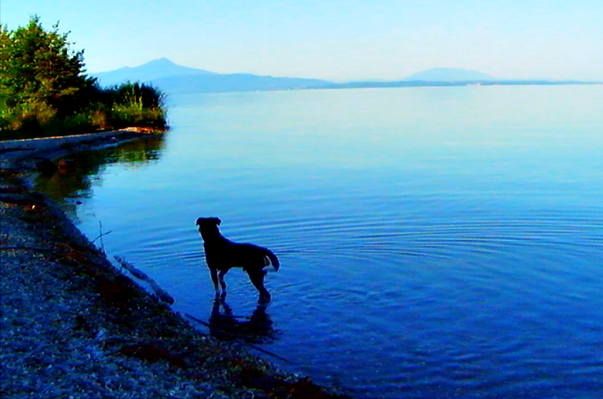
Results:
x,y
137,95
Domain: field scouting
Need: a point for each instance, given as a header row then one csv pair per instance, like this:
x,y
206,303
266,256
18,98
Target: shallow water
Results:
x,y
435,242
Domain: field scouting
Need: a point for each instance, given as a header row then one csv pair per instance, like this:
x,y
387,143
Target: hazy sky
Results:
x,y
333,39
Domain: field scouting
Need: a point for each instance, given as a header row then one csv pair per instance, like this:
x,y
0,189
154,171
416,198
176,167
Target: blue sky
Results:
x,y
333,39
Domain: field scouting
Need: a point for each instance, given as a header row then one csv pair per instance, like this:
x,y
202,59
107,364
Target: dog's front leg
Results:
x,y
214,278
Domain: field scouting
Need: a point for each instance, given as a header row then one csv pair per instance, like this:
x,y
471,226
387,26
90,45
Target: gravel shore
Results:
x,y
73,326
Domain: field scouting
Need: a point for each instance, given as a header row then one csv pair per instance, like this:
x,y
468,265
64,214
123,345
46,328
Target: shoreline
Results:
x,y
20,153
73,325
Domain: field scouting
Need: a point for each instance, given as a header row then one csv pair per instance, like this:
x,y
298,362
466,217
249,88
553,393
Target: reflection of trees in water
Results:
x,y
76,181
139,152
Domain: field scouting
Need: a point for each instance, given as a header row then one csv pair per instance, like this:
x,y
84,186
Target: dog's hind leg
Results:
x,y
257,278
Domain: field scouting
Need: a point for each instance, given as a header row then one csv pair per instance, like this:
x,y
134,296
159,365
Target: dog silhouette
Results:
x,y
221,255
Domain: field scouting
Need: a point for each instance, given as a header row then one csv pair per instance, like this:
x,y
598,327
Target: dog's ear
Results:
x,y
217,221
198,223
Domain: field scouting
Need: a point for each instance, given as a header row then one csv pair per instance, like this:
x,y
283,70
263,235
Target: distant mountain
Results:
x,y
448,75
173,78
153,70
218,83
424,83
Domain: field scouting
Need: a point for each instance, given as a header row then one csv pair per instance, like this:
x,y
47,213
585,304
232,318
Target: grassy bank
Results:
x,y
127,105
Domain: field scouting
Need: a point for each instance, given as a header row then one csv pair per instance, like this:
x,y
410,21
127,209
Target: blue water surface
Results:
x,y
435,242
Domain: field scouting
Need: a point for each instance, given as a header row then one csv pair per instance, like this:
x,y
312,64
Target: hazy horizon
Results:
x,y
167,61
337,40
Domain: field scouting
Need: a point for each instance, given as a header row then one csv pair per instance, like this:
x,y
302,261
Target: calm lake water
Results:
x,y
435,242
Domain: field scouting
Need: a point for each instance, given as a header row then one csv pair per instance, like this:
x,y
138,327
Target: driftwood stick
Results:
x,y
139,274
206,324
101,235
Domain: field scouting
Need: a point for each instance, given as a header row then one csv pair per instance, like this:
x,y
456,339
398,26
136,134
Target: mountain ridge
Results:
x,y
155,69
173,78
164,68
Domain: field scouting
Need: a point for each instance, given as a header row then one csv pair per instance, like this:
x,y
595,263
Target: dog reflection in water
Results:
x,y
221,255
225,326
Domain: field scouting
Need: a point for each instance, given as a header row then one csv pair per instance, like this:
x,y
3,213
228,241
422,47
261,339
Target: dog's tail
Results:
x,y
270,259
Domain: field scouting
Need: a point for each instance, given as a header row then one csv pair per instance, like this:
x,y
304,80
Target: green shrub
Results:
x,y
136,104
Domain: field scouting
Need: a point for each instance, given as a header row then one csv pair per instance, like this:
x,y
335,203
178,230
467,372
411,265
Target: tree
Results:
x,y
4,92
41,79
44,89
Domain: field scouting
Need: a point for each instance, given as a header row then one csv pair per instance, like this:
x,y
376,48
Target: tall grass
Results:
x,y
136,104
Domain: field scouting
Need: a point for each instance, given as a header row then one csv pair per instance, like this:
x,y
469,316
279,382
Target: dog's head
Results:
x,y
208,226
208,222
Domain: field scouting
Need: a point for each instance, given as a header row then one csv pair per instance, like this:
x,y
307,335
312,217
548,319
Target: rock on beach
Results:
x,y
73,326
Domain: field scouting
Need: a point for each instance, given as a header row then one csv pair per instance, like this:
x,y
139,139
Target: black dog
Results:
x,y
222,254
